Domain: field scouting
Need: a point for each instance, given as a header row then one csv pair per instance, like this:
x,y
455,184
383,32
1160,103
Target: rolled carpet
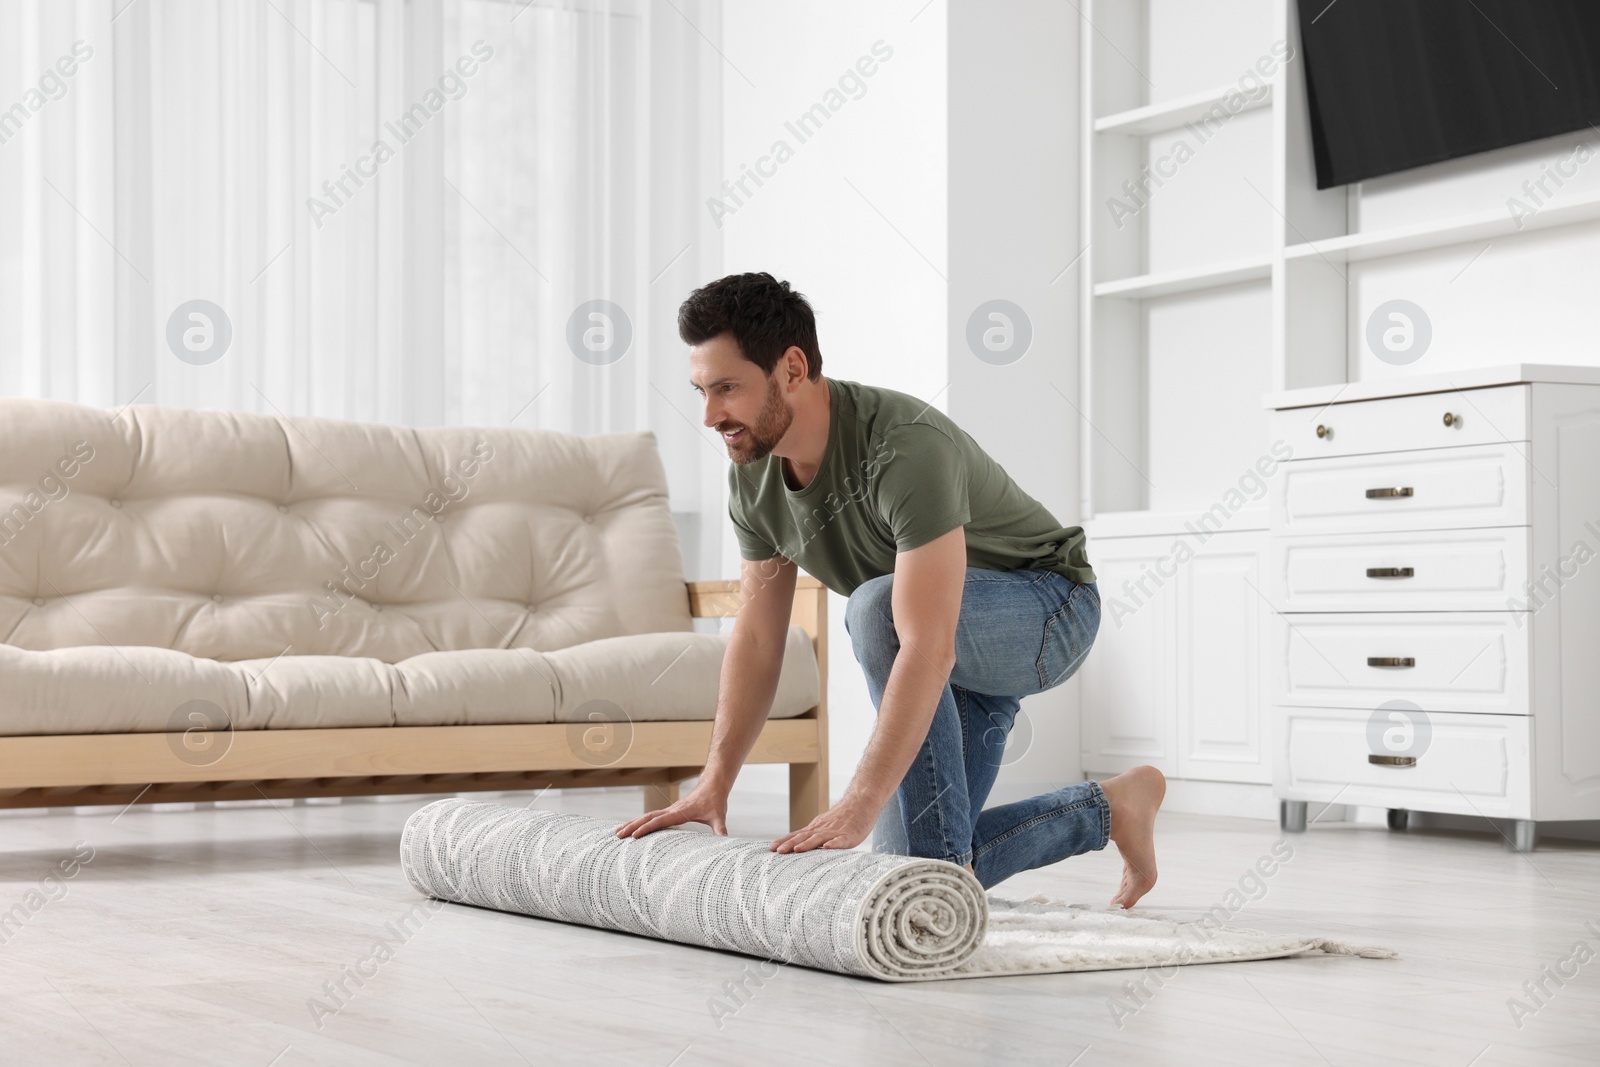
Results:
x,y
896,918
890,917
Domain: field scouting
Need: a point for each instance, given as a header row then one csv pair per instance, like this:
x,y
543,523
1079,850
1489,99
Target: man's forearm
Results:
x,y
916,683
744,700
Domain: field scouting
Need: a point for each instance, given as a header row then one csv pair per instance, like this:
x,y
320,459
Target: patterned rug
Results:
x,y
893,918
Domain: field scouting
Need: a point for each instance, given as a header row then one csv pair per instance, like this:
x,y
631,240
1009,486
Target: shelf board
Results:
x,y
1169,282
1171,114
1459,229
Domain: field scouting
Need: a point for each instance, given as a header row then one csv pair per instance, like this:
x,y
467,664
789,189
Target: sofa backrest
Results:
x,y
235,536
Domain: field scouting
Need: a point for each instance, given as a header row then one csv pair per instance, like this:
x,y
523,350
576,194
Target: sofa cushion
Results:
x,y
656,677
639,678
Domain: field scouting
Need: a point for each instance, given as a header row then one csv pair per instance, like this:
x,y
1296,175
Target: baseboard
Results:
x,y
1571,830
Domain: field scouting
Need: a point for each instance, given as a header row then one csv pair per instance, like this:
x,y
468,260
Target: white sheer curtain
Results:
x,y
535,155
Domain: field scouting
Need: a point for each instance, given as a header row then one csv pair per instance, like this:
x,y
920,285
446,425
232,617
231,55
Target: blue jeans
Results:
x,y
1020,632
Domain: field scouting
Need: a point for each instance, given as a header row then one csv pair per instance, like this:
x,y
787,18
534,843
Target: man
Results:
x,y
964,595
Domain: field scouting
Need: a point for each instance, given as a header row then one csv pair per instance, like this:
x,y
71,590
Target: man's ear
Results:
x,y
794,358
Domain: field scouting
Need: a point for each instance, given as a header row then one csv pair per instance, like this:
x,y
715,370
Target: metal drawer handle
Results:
x,y
1392,761
1324,431
1452,419
1391,661
1384,494
1390,572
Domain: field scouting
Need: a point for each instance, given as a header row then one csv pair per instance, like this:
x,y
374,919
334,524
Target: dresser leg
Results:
x,y
1292,816
1524,835
1398,818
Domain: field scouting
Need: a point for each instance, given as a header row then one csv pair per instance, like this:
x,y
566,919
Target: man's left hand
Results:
x,y
845,825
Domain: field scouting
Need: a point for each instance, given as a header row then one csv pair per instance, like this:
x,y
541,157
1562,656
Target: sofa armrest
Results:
x,y
719,599
713,600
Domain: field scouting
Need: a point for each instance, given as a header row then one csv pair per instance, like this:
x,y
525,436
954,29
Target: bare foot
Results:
x,y
1135,796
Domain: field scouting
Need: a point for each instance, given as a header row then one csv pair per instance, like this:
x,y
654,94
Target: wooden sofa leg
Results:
x,y
659,795
806,800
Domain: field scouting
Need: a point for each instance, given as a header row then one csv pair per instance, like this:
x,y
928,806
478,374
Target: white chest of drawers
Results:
x,y
1434,570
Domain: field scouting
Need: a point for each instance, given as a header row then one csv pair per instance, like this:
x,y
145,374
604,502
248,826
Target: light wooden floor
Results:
x,y
200,936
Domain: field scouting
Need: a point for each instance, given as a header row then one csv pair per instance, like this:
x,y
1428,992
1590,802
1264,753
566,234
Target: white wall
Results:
x,y
856,220
1013,234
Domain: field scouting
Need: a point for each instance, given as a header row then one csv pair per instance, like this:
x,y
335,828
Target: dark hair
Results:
x,y
764,315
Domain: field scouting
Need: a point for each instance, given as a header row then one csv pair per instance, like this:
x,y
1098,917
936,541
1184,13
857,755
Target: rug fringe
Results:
x,y
1345,948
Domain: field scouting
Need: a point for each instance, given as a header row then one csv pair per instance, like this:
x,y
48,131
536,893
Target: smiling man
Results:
x,y
964,596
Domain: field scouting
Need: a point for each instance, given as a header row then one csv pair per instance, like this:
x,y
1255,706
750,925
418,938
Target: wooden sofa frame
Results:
x,y
67,770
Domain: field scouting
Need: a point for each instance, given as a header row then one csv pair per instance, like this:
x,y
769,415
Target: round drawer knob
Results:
x,y
1324,431
1451,418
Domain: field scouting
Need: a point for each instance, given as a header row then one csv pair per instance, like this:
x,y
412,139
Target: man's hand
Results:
x,y
705,803
845,825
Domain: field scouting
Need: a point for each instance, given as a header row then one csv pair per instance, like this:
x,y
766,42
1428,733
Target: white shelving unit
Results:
x,y
1217,273
1157,265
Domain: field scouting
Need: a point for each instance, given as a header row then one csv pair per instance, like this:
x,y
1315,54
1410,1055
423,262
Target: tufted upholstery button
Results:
x,y
532,608
38,601
588,518
283,508
377,607
217,597
115,502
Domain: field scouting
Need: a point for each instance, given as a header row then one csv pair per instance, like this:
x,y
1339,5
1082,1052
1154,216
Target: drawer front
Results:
x,y
1437,489
1441,661
1440,570
1465,764
1402,423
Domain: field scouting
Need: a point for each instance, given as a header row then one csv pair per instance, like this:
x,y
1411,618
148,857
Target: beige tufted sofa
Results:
x,y
205,605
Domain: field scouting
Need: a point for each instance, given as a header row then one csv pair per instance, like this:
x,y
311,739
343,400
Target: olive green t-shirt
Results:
x,y
896,474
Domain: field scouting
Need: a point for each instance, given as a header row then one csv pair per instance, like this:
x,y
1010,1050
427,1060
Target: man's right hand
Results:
x,y
704,803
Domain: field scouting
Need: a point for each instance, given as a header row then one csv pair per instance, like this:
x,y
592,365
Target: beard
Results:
x,y
771,424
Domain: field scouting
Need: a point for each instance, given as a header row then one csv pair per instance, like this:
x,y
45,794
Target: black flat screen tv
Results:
x,y
1396,84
